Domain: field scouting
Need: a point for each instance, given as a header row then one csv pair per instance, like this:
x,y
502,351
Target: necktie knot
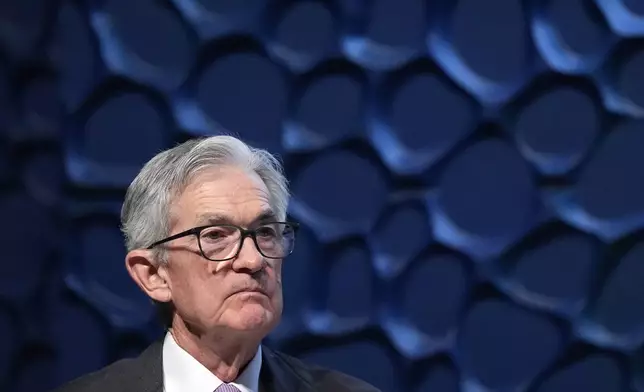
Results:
x,y
227,388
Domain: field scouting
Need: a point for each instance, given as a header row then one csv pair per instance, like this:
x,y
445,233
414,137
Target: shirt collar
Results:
x,y
182,372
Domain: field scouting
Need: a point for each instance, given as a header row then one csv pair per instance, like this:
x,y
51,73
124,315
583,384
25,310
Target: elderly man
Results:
x,y
206,234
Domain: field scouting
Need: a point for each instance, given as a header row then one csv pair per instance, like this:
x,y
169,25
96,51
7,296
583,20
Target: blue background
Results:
x,y
470,176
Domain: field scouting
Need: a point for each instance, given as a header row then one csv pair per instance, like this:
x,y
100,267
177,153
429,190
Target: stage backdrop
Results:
x,y
469,175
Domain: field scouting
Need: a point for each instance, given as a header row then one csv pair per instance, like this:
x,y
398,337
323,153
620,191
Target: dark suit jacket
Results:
x,y
280,373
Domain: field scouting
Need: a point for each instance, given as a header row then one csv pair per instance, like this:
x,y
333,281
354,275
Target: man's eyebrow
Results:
x,y
267,215
222,219
213,219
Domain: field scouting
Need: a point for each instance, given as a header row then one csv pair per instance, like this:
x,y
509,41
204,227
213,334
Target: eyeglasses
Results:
x,y
273,240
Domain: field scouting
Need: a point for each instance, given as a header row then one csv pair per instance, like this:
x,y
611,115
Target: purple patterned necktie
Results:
x,y
227,388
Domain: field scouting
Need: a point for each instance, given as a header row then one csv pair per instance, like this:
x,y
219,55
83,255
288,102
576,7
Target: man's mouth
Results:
x,y
252,290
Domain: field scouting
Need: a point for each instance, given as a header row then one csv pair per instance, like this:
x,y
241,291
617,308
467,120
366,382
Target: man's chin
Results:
x,y
255,317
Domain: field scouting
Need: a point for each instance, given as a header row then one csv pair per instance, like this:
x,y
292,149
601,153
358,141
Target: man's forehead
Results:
x,y
230,183
225,196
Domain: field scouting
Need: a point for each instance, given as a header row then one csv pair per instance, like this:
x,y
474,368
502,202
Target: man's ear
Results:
x,y
148,274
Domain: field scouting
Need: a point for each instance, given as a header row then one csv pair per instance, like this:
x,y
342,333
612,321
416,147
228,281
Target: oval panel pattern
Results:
x,y
467,175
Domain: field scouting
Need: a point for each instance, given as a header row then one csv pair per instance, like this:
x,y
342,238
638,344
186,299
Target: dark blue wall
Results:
x,y
470,177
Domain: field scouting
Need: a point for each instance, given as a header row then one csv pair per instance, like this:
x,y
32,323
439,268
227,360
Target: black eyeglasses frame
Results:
x,y
252,233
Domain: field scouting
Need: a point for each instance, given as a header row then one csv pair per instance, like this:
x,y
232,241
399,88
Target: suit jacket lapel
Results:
x,y
277,375
147,373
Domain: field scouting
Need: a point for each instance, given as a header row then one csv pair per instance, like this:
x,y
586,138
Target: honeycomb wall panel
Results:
x,y
468,176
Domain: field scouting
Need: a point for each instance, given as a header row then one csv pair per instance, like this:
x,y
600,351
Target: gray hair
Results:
x,y
145,215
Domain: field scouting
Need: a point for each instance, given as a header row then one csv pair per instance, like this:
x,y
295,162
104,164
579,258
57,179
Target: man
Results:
x,y
206,233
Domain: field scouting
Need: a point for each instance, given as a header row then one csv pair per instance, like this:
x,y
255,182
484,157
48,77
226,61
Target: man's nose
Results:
x,y
249,257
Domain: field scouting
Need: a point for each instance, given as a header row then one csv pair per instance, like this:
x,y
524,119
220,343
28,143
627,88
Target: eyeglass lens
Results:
x,y
273,240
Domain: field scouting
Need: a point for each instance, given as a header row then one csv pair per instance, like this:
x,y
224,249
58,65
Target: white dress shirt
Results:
x,y
181,372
